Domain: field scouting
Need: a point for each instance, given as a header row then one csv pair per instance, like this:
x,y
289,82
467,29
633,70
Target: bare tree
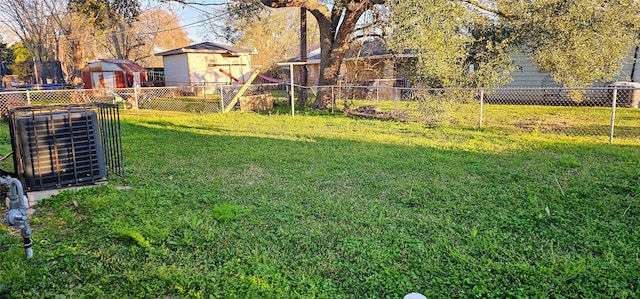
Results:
x,y
77,43
113,22
159,30
31,21
57,30
51,33
271,35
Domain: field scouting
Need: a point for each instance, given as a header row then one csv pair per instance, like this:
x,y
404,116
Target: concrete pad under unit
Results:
x,y
36,196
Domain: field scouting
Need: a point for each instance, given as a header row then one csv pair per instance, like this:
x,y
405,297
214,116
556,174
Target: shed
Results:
x,y
113,73
206,64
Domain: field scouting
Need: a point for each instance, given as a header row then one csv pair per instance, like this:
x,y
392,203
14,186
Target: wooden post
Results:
x,y
293,98
613,113
242,90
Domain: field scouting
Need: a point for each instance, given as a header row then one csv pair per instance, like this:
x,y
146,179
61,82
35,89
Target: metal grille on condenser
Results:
x,y
57,146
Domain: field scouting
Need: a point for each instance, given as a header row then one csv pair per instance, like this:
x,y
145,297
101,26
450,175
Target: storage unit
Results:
x,y
208,64
113,73
53,149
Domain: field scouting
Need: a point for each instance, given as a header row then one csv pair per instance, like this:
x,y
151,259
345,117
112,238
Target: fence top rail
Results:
x,y
87,90
231,86
141,88
489,89
66,107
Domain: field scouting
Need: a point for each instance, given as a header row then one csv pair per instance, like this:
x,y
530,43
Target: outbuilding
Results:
x,y
113,73
206,65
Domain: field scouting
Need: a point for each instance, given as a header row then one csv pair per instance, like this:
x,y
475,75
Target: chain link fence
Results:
x,y
151,98
255,97
606,111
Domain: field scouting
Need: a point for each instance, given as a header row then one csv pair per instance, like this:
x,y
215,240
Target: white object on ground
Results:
x,y
415,296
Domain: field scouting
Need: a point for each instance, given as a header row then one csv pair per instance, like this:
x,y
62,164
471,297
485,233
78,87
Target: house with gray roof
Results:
x,y
367,63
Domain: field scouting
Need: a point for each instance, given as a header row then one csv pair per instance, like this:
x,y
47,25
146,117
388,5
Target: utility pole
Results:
x,y
304,75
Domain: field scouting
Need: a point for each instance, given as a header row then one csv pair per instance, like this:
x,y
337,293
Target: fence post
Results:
x,y
395,104
333,99
28,97
613,113
286,87
221,98
293,99
481,105
135,98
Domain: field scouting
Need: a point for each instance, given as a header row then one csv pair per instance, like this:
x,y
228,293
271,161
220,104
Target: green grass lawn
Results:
x,y
269,206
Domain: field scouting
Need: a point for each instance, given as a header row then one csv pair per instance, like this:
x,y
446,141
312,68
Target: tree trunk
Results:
x,y
304,75
334,43
336,29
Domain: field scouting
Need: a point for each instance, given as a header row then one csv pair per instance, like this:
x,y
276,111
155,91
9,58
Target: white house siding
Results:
x,y
202,66
176,70
205,69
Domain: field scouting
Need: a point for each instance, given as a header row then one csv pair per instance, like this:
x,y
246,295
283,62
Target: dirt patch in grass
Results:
x,y
535,124
373,112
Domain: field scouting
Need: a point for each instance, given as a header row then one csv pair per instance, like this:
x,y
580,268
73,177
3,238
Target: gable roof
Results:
x,y
368,48
312,57
107,65
374,48
205,47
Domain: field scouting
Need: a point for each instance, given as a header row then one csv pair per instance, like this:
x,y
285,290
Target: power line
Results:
x,y
92,37
68,12
8,19
185,26
115,31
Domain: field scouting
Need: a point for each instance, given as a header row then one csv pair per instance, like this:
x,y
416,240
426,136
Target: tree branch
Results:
x,y
486,8
311,5
363,36
197,3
